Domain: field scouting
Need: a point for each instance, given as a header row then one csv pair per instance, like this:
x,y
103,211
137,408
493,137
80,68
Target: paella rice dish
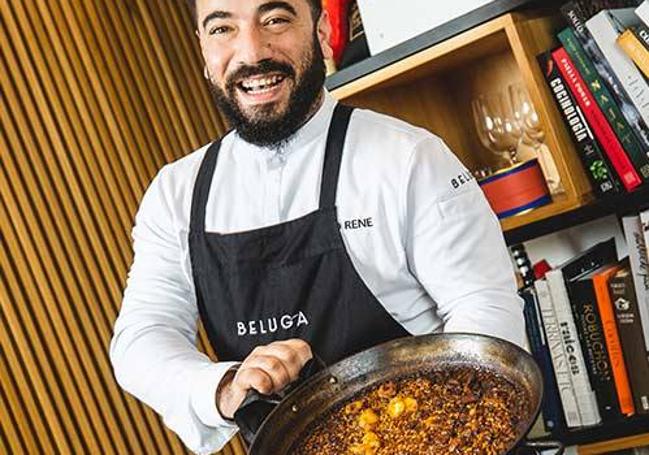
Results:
x,y
458,410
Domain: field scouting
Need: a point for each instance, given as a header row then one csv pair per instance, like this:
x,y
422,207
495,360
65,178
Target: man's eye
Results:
x,y
219,30
276,21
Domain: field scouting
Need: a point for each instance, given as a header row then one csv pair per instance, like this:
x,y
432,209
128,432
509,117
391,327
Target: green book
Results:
x,y
606,102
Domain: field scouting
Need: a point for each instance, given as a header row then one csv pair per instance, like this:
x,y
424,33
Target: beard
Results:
x,y
266,127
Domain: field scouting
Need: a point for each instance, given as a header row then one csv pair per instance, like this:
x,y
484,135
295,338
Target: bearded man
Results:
x,y
309,228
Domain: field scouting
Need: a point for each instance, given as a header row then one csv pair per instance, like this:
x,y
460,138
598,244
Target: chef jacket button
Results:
x,y
276,161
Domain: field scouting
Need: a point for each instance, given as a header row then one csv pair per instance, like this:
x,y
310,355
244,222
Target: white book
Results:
x,y
642,12
586,400
558,355
605,27
644,220
639,269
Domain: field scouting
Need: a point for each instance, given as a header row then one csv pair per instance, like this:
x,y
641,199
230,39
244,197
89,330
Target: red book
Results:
x,y
596,119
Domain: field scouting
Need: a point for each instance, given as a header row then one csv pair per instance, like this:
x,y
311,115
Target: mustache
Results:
x,y
263,67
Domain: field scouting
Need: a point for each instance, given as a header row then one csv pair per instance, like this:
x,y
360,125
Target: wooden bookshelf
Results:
x,y
433,88
613,445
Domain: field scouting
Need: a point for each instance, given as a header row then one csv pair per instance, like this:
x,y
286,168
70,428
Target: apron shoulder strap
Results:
x,y
202,188
333,154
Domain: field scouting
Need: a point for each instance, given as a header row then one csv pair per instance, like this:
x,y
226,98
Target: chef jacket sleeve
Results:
x,y
153,349
456,249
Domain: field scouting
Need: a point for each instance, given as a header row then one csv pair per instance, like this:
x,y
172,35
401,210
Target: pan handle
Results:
x,y
255,407
536,447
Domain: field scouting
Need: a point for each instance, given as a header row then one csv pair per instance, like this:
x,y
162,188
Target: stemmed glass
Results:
x,y
525,115
532,134
496,126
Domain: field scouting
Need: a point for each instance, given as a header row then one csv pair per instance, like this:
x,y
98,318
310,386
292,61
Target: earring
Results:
x,y
206,74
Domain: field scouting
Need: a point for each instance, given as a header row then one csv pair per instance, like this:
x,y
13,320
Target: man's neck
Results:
x,y
315,106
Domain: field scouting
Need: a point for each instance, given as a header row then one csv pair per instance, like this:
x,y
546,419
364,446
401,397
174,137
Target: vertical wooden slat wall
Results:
x,y
97,95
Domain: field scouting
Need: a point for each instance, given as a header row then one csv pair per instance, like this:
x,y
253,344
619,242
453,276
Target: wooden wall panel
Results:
x,y
97,95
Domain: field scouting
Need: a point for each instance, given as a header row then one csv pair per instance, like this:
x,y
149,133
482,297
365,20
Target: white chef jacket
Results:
x,y
415,224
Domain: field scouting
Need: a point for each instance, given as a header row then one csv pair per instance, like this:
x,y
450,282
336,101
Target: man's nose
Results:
x,y
252,46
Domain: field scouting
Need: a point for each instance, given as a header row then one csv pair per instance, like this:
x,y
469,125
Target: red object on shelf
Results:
x,y
516,189
338,16
541,268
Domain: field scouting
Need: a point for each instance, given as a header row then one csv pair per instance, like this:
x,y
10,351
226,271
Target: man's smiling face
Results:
x,y
265,63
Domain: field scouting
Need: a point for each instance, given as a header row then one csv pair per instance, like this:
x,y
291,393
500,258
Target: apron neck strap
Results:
x,y
333,155
202,187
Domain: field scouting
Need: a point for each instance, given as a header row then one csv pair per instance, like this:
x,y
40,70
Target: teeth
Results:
x,y
252,84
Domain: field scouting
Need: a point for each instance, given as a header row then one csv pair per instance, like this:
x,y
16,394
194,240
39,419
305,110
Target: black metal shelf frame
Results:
x,y
620,205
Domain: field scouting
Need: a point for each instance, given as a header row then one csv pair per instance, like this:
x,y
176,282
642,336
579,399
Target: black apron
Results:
x,y
291,280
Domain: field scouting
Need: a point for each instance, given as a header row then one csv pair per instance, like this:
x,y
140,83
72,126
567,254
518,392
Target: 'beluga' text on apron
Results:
x,y
271,325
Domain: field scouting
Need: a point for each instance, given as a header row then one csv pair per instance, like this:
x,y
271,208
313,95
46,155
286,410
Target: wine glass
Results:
x,y
533,135
497,129
525,115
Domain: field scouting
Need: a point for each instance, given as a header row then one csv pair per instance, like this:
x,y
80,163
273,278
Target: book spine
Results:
x,y
558,355
551,404
586,400
604,181
628,323
593,344
577,21
642,12
634,49
642,33
605,35
615,354
600,92
595,117
644,221
591,7
639,261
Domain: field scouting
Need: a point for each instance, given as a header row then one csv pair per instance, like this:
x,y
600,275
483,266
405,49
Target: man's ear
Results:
x,y
324,35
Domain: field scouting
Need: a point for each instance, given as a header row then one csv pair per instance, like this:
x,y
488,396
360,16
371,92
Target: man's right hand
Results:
x,y
268,369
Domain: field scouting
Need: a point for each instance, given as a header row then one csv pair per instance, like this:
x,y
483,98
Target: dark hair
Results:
x,y
315,6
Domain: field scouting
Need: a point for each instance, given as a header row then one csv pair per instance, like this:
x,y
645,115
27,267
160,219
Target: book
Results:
x,y
591,336
551,402
616,355
558,355
601,128
639,262
584,393
642,12
625,306
605,27
576,14
592,7
599,172
642,33
603,97
632,47
644,221
601,253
